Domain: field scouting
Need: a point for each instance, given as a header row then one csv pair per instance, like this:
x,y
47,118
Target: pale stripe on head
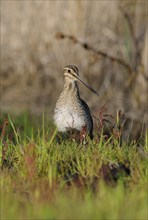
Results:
x,y
72,67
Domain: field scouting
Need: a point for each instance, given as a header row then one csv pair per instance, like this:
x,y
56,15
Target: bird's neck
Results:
x,y
71,87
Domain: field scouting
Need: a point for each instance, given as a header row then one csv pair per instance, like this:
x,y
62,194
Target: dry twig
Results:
x,y
86,46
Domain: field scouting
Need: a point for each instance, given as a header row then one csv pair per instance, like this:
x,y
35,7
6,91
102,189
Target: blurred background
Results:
x,y
106,40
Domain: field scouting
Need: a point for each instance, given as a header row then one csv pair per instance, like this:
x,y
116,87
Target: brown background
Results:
x,y
32,58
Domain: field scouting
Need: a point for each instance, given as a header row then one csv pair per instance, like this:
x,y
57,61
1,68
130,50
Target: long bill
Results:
x,y
89,87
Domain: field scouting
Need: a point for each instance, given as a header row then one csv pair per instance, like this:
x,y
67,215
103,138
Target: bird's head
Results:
x,y
71,74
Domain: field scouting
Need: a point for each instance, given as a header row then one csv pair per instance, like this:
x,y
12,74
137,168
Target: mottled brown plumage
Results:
x,y
71,112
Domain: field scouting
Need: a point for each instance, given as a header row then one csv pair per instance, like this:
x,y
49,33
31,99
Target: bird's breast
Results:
x,y
67,116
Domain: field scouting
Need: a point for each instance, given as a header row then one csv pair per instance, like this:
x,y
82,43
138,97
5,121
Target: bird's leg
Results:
x,y
83,135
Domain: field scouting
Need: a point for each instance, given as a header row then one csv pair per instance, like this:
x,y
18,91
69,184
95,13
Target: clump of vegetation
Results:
x,y
110,50
44,179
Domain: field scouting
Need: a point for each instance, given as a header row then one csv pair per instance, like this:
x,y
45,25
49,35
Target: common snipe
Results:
x,y
71,112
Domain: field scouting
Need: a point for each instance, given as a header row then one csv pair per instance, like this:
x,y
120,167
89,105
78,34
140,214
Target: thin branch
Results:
x,y
86,46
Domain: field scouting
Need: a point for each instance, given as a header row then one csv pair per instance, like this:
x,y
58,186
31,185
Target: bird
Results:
x,y
71,111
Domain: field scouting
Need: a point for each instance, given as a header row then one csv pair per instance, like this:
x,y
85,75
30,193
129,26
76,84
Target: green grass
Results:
x,y
42,179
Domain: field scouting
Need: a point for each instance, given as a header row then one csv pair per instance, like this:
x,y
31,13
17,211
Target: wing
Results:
x,y
88,118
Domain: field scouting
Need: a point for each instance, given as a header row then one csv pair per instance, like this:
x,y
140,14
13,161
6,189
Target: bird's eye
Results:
x,y
69,71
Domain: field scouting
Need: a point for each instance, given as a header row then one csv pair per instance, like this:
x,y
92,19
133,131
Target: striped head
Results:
x,y
71,74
